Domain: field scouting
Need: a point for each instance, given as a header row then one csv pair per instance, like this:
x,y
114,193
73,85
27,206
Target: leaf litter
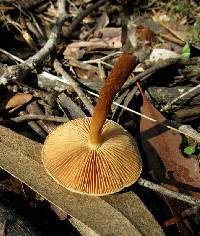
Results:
x,y
87,55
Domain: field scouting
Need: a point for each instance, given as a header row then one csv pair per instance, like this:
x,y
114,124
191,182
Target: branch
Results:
x,y
168,192
36,60
19,72
58,67
148,72
82,15
29,117
168,105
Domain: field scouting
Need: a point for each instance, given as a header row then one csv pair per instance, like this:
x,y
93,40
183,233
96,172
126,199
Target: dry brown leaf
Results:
x,y
27,37
110,35
162,148
109,32
10,100
86,74
166,163
144,34
75,50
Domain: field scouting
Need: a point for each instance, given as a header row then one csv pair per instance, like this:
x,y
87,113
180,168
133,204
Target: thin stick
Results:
x,y
103,58
167,192
173,125
18,72
34,117
39,58
172,39
58,67
168,105
11,55
183,129
148,72
82,15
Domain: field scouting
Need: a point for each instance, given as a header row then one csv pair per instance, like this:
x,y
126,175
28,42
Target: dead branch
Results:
x,y
58,67
190,91
170,98
18,72
167,192
147,73
34,117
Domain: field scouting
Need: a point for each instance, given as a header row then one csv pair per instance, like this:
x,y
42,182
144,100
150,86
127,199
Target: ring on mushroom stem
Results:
x,y
93,155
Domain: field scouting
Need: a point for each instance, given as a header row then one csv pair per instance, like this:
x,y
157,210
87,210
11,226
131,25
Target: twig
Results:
x,y
11,55
82,15
173,32
102,58
183,129
18,72
34,117
168,105
147,73
172,39
187,130
33,125
39,58
169,193
58,67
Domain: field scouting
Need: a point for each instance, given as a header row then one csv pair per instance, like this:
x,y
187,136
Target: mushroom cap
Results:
x,y
75,164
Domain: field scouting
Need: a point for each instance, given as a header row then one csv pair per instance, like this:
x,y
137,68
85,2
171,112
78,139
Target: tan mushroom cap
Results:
x,y
71,161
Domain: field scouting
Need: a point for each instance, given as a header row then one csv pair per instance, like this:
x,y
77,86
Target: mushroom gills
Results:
x,y
76,165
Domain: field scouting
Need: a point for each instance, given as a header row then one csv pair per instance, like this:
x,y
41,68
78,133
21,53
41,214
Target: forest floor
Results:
x,y
54,59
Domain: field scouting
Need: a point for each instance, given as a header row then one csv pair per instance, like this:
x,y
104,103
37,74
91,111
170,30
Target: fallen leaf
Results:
x,y
165,161
10,100
109,32
162,148
144,34
76,50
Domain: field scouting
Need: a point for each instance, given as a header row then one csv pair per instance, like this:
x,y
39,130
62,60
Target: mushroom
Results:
x,y
94,155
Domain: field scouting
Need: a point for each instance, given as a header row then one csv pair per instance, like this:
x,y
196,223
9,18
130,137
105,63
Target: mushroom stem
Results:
x,y
114,82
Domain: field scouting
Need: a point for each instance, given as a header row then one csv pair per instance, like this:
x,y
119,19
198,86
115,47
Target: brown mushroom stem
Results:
x,y
115,80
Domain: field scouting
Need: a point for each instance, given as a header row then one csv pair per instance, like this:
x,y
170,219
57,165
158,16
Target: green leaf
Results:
x,y
186,51
189,150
